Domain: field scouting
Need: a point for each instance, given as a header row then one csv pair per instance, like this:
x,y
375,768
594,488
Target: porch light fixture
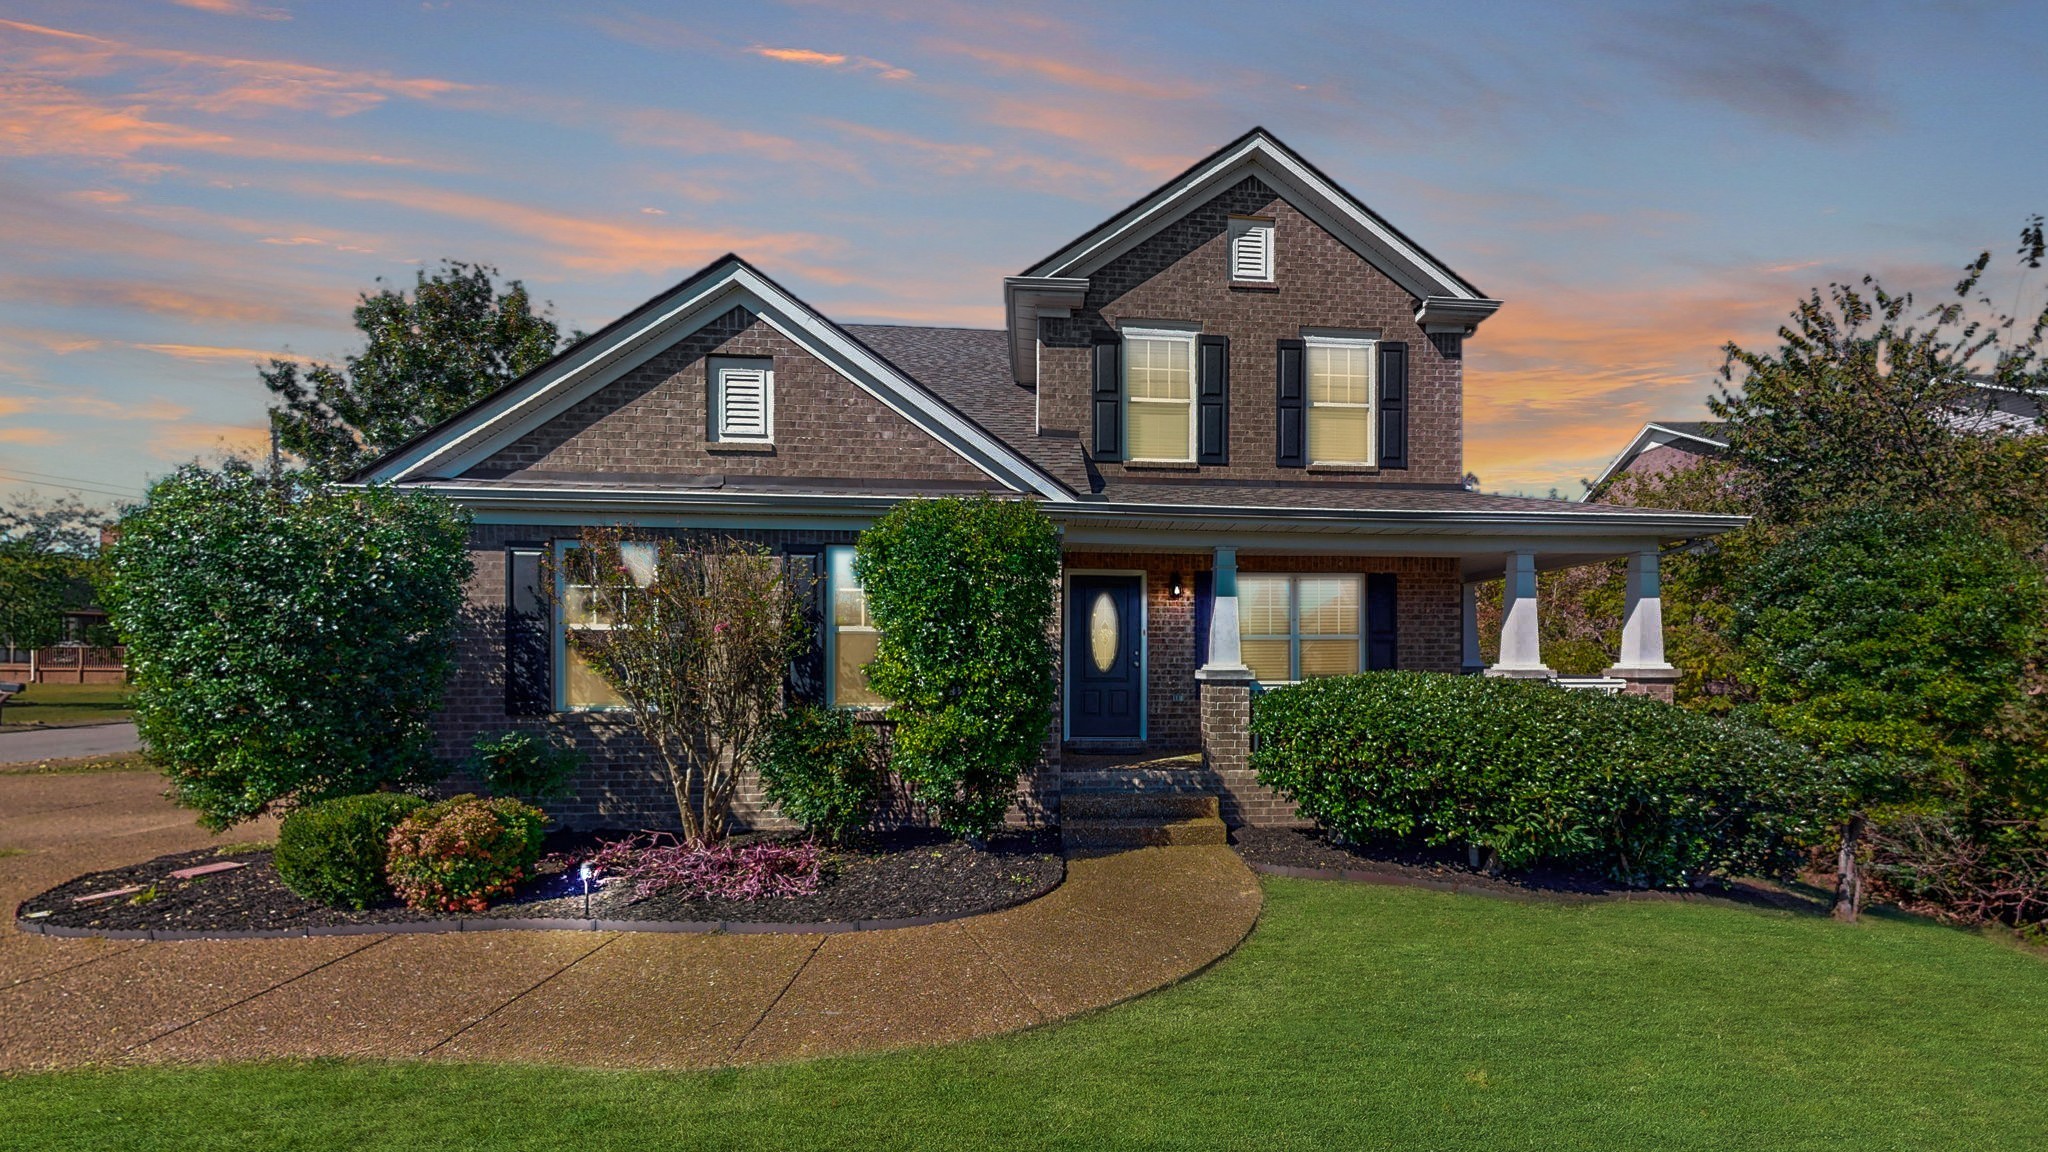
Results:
x,y
1176,587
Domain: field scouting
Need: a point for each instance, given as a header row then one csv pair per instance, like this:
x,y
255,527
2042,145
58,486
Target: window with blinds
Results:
x,y
1296,627
1340,401
743,401
1251,249
1159,396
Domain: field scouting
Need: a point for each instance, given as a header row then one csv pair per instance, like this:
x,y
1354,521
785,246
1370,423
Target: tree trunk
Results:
x,y
1848,880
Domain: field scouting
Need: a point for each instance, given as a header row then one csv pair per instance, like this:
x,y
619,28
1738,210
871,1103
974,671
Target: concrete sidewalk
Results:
x,y
1120,926
27,747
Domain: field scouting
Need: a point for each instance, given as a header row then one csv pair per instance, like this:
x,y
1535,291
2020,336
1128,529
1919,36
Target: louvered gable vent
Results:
x,y
1251,249
745,400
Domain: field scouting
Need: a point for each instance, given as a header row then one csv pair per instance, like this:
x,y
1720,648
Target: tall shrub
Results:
x,y
288,640
698,641
961,591
1646,792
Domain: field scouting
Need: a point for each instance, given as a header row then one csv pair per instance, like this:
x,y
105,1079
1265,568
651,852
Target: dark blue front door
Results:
x,y
1105,671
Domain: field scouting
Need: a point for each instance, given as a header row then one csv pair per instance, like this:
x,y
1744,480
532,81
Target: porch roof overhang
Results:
x,y
1479,539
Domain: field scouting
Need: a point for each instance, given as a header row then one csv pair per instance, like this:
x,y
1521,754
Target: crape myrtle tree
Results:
x,y
696,638
962,594
288,640
425,357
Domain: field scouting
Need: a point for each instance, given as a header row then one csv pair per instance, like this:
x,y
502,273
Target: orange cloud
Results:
x,y
208,352
23,435
215,441
834,60
235,8
38,118
185,301
1104,79
598,245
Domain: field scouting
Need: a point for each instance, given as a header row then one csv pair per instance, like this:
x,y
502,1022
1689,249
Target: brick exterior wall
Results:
x,y
1226,759
1181,274
656,420
1661,459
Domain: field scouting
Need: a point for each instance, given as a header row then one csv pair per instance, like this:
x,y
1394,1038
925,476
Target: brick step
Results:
x,y
1138,832
1155,805
1134,779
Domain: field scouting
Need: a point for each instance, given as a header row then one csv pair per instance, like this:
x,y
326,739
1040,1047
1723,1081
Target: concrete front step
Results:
x,y
1158,806
1135,779
1142,832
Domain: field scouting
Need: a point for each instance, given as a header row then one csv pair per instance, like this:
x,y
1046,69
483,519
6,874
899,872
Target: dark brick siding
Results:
x,y
1180,274
654,419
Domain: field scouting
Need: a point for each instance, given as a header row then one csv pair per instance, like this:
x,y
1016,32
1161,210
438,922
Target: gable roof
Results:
x,y
501,418
1260,153
1700,437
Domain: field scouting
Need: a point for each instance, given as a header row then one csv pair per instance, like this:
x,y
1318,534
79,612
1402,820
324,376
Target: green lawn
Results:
x,y
1356,1017
59,705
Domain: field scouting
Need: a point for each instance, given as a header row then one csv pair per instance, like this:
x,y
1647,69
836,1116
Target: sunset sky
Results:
x,y
189,187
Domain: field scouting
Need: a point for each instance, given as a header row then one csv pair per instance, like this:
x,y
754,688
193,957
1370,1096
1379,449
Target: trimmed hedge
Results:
x,y
454,856
1644,792
334,852
823,768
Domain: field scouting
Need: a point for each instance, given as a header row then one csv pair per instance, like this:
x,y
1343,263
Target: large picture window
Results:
x,y
1159,396
851,637
583,608
1295,627
1340,401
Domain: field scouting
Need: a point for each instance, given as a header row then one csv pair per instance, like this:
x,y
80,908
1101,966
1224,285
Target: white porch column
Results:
x,y
1225,657
1642,661
1469,608
1521,644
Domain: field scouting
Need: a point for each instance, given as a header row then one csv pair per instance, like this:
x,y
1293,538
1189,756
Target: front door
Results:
x,y
1105,668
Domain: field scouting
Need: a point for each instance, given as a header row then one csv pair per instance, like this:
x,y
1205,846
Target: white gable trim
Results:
x,y
1653,435
1321,201
584,370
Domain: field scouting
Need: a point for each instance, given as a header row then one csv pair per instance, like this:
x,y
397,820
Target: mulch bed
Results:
x,y
1308,850
896,876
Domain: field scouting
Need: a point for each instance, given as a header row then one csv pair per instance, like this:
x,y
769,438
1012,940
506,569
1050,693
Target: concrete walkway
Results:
x,y
29,746
1120,926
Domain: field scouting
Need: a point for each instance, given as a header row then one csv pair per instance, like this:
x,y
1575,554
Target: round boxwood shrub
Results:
x,y
1639,790
454,856
824,770
333,852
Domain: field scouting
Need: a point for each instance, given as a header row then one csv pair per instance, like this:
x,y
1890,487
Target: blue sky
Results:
x,y
188,187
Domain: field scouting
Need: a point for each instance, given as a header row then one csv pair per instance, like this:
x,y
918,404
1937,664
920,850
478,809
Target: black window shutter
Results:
x,y
1393,404
1382,621
1214,401
1108,397
1291,406
806,570
529,640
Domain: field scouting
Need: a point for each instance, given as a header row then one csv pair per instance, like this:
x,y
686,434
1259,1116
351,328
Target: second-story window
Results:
x,y
1340,402
1159,396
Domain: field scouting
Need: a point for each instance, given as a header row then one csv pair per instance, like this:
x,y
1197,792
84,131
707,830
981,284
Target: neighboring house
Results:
x,y
1241,400
1673,445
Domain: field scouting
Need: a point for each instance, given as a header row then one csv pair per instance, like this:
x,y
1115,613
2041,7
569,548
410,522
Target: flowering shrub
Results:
x,y
454,856
658,862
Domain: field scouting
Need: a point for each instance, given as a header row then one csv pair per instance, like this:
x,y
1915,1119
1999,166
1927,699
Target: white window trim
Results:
x,y
715,371
1294,635
1186,336
1241,226
832,628
1372,398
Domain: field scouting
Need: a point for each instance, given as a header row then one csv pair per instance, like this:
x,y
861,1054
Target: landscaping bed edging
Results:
x,y
501,924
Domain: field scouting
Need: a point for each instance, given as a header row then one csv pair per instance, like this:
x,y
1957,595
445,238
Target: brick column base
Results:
x,y
1656,683
1226,753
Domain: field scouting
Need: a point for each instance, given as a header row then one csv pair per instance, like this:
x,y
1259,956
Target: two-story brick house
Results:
x,y
1241,400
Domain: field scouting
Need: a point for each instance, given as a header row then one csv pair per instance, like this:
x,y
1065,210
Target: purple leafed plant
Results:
x,y
660,862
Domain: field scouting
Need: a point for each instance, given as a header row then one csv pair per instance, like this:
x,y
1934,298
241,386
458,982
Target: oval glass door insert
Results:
x,y
1102,632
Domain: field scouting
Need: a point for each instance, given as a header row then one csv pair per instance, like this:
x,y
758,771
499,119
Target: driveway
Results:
x,y
1120,926
66,743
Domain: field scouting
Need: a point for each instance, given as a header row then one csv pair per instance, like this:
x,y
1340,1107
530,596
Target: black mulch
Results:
x,y
896,876
1451,869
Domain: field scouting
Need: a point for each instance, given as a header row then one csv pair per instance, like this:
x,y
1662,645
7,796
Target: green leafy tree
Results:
x,y
425,357
961,591
289,641
697,643
1903,641
48,560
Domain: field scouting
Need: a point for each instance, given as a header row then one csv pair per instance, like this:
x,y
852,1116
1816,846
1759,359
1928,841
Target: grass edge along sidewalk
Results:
x,y
1356,1016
